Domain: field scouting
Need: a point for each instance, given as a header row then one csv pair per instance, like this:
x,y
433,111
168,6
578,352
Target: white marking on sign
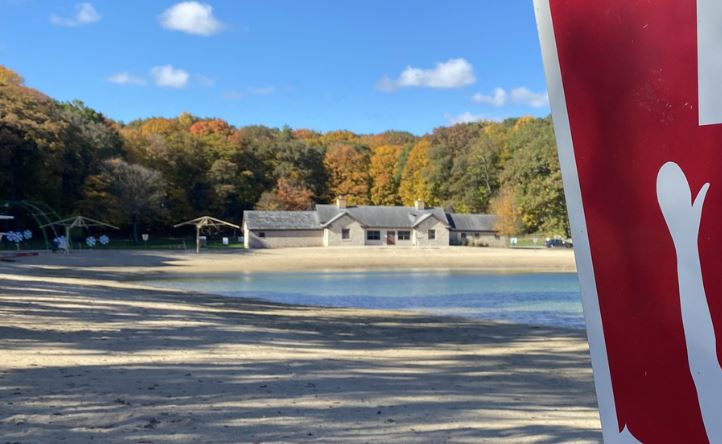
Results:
x,y
709,61
683,218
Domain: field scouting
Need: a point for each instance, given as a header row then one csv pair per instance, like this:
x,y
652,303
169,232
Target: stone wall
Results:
x,y
283,238
332,234
478,238
421,234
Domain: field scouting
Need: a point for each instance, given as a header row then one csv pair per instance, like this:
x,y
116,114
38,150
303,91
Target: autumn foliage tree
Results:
x,y
211,127
58,152
509,217
286,196
348,169
129,193
385,177
415,175
534,174
31,136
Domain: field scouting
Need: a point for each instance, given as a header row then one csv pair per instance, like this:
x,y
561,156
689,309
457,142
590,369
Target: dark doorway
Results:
x,y
390,238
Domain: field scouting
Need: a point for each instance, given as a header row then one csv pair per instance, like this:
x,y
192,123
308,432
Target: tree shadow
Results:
x,y
90,362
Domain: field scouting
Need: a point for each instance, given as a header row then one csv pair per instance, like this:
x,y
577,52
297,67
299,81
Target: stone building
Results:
x,y
342,225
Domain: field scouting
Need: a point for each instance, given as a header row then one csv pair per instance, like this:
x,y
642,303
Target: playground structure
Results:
x,y
205,222
77,222
49,222
4,217
41,213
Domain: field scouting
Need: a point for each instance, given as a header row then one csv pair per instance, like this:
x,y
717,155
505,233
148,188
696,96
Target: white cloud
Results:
x,y
466,117
192,18
170,77
520,96
498,98
525,96
85,14
454,73
125,78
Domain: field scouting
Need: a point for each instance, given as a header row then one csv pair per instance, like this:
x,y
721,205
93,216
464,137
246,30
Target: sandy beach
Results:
x,y
173,262
90,356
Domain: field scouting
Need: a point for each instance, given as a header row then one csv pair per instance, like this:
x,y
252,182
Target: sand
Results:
x,y
127,263
89,356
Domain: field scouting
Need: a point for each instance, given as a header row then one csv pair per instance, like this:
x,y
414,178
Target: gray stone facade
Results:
x,y
339,225
334,232
282,238
478,239
431,233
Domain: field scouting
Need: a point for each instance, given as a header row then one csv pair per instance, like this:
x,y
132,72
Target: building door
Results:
x,y
390,238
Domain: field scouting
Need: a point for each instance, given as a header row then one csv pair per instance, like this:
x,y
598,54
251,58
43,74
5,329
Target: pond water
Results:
x,y
551,299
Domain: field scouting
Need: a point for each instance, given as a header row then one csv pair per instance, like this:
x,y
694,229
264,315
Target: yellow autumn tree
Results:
x,y
157,125
414,177
383,171
335,137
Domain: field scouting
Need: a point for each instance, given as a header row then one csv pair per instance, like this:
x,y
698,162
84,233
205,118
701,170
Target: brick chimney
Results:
x,y
419,204
340,203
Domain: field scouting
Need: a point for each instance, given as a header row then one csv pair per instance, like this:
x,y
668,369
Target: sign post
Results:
x,y
636,96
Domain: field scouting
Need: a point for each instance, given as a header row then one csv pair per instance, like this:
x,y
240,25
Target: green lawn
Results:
x,y
158,243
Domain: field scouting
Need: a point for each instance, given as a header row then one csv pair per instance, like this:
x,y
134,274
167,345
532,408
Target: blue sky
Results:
x,y
366,66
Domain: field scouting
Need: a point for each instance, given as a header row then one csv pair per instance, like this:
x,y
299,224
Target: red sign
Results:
x,y
636,95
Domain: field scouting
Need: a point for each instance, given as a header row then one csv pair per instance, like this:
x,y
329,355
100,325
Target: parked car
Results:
x,y
558,243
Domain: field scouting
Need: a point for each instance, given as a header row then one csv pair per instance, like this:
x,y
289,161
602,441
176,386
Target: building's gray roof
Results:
x,y
472,222
380,217
326,212
281,220
367,215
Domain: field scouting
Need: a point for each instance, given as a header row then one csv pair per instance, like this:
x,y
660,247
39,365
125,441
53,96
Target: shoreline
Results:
x,y
171,262
90,356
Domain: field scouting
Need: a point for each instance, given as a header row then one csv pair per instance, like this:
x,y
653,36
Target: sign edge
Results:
x,y
577,221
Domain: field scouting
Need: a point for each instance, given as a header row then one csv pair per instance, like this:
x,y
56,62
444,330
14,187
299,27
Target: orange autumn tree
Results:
x,y
211,127
384,178
348,170
286,196
305,134
509,220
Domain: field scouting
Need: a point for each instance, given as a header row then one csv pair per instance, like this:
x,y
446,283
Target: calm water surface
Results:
x,y
534,298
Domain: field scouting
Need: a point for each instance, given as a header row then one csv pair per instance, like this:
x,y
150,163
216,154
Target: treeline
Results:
x,y
156,171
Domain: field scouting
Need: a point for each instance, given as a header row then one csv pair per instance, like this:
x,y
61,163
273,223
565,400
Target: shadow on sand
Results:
x,y
94,363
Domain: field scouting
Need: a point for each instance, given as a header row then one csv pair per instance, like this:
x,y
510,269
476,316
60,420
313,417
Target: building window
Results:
x,y
432,234
345,234
261,234
373,235
404,235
